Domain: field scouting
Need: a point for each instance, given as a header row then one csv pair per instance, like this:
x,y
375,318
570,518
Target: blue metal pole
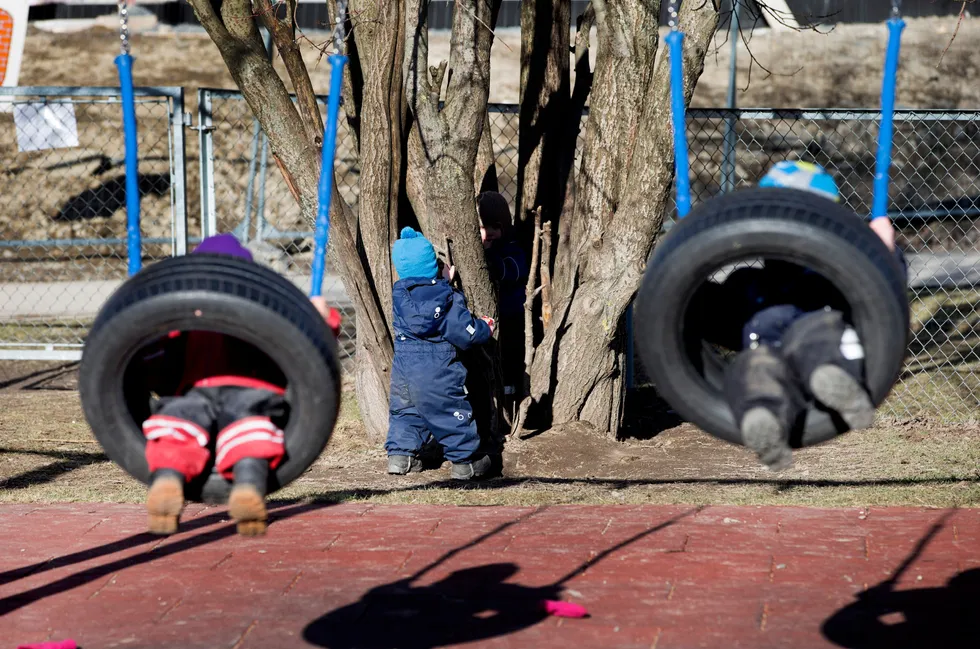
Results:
x,y
675,41
125,64
883,160
322,232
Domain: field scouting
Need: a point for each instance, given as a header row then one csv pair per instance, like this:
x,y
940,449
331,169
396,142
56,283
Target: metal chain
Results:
x,y
124,25
672,20
896,8
338,30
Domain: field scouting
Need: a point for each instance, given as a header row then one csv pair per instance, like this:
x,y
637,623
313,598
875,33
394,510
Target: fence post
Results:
x,y
728,158
261,227
178,174
209,219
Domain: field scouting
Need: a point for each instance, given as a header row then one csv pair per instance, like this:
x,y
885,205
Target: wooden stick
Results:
x,y
545,287
528,323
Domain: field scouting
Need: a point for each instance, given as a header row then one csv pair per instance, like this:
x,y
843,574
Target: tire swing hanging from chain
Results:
x,y
771,223
220,294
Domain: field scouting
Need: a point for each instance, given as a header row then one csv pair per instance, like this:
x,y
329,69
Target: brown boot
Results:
x,y
165,501
246,504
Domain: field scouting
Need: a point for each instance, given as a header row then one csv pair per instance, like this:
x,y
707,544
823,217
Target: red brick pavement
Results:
x,y
378,577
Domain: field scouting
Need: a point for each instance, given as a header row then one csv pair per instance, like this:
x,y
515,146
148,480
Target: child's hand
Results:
x,y
330,316
883,227
490,323
448,273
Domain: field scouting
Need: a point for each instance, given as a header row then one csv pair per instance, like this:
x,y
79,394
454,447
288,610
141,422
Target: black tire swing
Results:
x,y
773,223
220,294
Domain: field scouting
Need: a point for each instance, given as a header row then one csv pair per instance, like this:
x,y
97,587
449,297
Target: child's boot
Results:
x,y
165,501
246,504
836,389
828,353
765,402
763,433
403,464
471,469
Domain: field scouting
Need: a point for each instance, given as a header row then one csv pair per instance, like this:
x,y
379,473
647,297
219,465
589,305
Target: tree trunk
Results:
x,y
621,191
381,41
544,103
295,141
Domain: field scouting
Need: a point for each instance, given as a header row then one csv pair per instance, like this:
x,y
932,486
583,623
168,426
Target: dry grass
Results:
x,y
47,455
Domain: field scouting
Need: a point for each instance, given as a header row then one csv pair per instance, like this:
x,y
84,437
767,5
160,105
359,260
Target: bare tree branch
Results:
x,y
959,21
284,36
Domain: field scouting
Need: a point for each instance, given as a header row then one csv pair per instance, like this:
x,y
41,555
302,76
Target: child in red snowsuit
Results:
x,y
229,392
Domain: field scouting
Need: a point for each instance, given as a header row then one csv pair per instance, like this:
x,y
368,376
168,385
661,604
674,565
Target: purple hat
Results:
x,y
224,244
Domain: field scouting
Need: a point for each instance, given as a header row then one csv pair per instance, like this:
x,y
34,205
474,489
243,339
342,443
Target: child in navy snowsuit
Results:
x,y
795,344
216,391
509,268
428,393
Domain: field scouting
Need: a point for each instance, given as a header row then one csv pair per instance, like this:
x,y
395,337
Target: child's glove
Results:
x,y
490,322
883,227
329,314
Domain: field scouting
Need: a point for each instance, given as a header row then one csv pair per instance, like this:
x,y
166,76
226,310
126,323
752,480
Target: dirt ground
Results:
x,y
47,454
838,68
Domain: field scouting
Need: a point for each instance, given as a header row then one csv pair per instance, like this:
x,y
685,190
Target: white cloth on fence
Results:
x,y
45,125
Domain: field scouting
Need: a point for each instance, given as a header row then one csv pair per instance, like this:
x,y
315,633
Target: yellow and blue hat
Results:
x,y
802,175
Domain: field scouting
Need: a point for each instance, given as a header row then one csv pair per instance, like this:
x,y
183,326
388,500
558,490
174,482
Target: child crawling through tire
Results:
x,y
790,328
223,390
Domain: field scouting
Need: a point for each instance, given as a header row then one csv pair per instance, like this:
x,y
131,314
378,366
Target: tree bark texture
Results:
x,y
381,41
296,146
621,192
544,104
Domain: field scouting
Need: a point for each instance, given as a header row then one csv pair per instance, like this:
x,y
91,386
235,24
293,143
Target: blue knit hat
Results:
x,y
414,256
223,244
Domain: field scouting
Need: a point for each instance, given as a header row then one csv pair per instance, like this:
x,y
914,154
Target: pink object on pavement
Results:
x,y
563,609
61,644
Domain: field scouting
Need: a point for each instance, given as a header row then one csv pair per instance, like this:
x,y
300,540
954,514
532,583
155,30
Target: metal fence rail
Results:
x,y
63,223
62,248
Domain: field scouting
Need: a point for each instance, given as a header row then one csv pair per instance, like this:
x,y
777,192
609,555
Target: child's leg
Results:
x,y
765,401
827,355
249,444
177,436
407,432
448,415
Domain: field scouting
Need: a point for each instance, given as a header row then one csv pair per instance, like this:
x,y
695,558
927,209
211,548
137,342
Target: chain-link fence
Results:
x,y
63,247
934,197
244,192
62,201
935,200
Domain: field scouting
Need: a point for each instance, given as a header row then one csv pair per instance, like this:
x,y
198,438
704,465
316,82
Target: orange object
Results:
x,y
6,38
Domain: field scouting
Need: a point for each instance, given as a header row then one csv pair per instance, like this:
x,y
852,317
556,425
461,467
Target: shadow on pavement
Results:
x,y
885,618
468,605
